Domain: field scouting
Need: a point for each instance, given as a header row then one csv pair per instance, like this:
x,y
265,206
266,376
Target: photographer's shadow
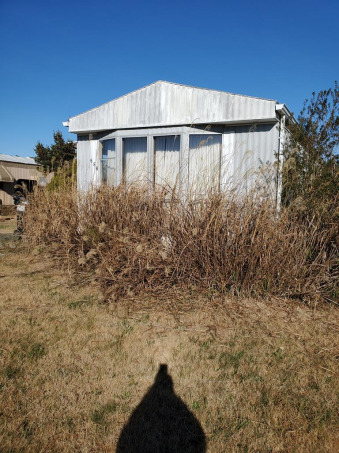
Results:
x,y
162,423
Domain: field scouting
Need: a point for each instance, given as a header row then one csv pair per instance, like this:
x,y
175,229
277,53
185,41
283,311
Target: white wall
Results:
x,y
227,156
88,164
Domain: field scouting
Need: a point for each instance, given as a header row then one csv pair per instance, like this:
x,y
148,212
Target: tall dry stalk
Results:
x,y
132,239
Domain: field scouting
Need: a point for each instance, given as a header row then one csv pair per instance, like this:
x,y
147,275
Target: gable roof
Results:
x,y
165,104
17,159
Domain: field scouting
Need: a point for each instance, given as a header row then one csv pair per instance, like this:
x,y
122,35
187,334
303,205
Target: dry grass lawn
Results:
x,y
258,376
7,224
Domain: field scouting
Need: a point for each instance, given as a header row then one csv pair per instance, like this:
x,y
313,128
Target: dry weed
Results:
x,y
132,239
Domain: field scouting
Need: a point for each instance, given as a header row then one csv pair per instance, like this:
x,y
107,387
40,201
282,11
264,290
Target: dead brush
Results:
x,y
133,239
122,233
243,246
52,220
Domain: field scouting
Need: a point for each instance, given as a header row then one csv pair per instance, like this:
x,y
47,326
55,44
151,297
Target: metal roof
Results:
x,y
165,104
17,159
177,84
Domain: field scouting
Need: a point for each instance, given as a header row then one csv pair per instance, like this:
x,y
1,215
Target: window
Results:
x,y
204,162
135,160
108,162
166,160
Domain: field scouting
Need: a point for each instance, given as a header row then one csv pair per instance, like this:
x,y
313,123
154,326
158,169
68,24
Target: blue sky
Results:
x,y
61,58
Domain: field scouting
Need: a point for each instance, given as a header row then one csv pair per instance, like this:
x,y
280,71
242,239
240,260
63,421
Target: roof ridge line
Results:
x,y
171,83
218,91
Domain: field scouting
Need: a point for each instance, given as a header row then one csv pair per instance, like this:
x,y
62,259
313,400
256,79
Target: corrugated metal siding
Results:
x,y
165,104
21,171
84,165
6,193
88,164
245,153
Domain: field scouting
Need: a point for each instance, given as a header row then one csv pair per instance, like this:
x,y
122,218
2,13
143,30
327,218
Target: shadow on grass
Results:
x,y
162,423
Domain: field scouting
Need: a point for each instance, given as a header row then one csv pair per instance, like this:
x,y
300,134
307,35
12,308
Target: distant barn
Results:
x,y
16,170
171,134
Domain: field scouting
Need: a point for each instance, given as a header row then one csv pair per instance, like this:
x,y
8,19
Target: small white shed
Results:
x,y
166,134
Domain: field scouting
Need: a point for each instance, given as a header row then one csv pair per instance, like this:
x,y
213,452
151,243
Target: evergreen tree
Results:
x,y
52,157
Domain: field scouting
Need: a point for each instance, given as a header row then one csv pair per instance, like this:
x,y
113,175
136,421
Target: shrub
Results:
x,y
133,239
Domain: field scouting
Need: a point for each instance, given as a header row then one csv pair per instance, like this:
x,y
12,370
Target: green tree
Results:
x,y
54,156
311,170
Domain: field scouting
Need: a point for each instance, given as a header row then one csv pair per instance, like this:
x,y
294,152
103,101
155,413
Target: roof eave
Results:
x,y
226,123
282,109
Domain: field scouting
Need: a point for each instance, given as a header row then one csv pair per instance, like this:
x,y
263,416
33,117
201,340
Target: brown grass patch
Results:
x,y
257,375
7,225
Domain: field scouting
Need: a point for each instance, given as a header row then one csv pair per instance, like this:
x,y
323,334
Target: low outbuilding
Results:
x,y
15,170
